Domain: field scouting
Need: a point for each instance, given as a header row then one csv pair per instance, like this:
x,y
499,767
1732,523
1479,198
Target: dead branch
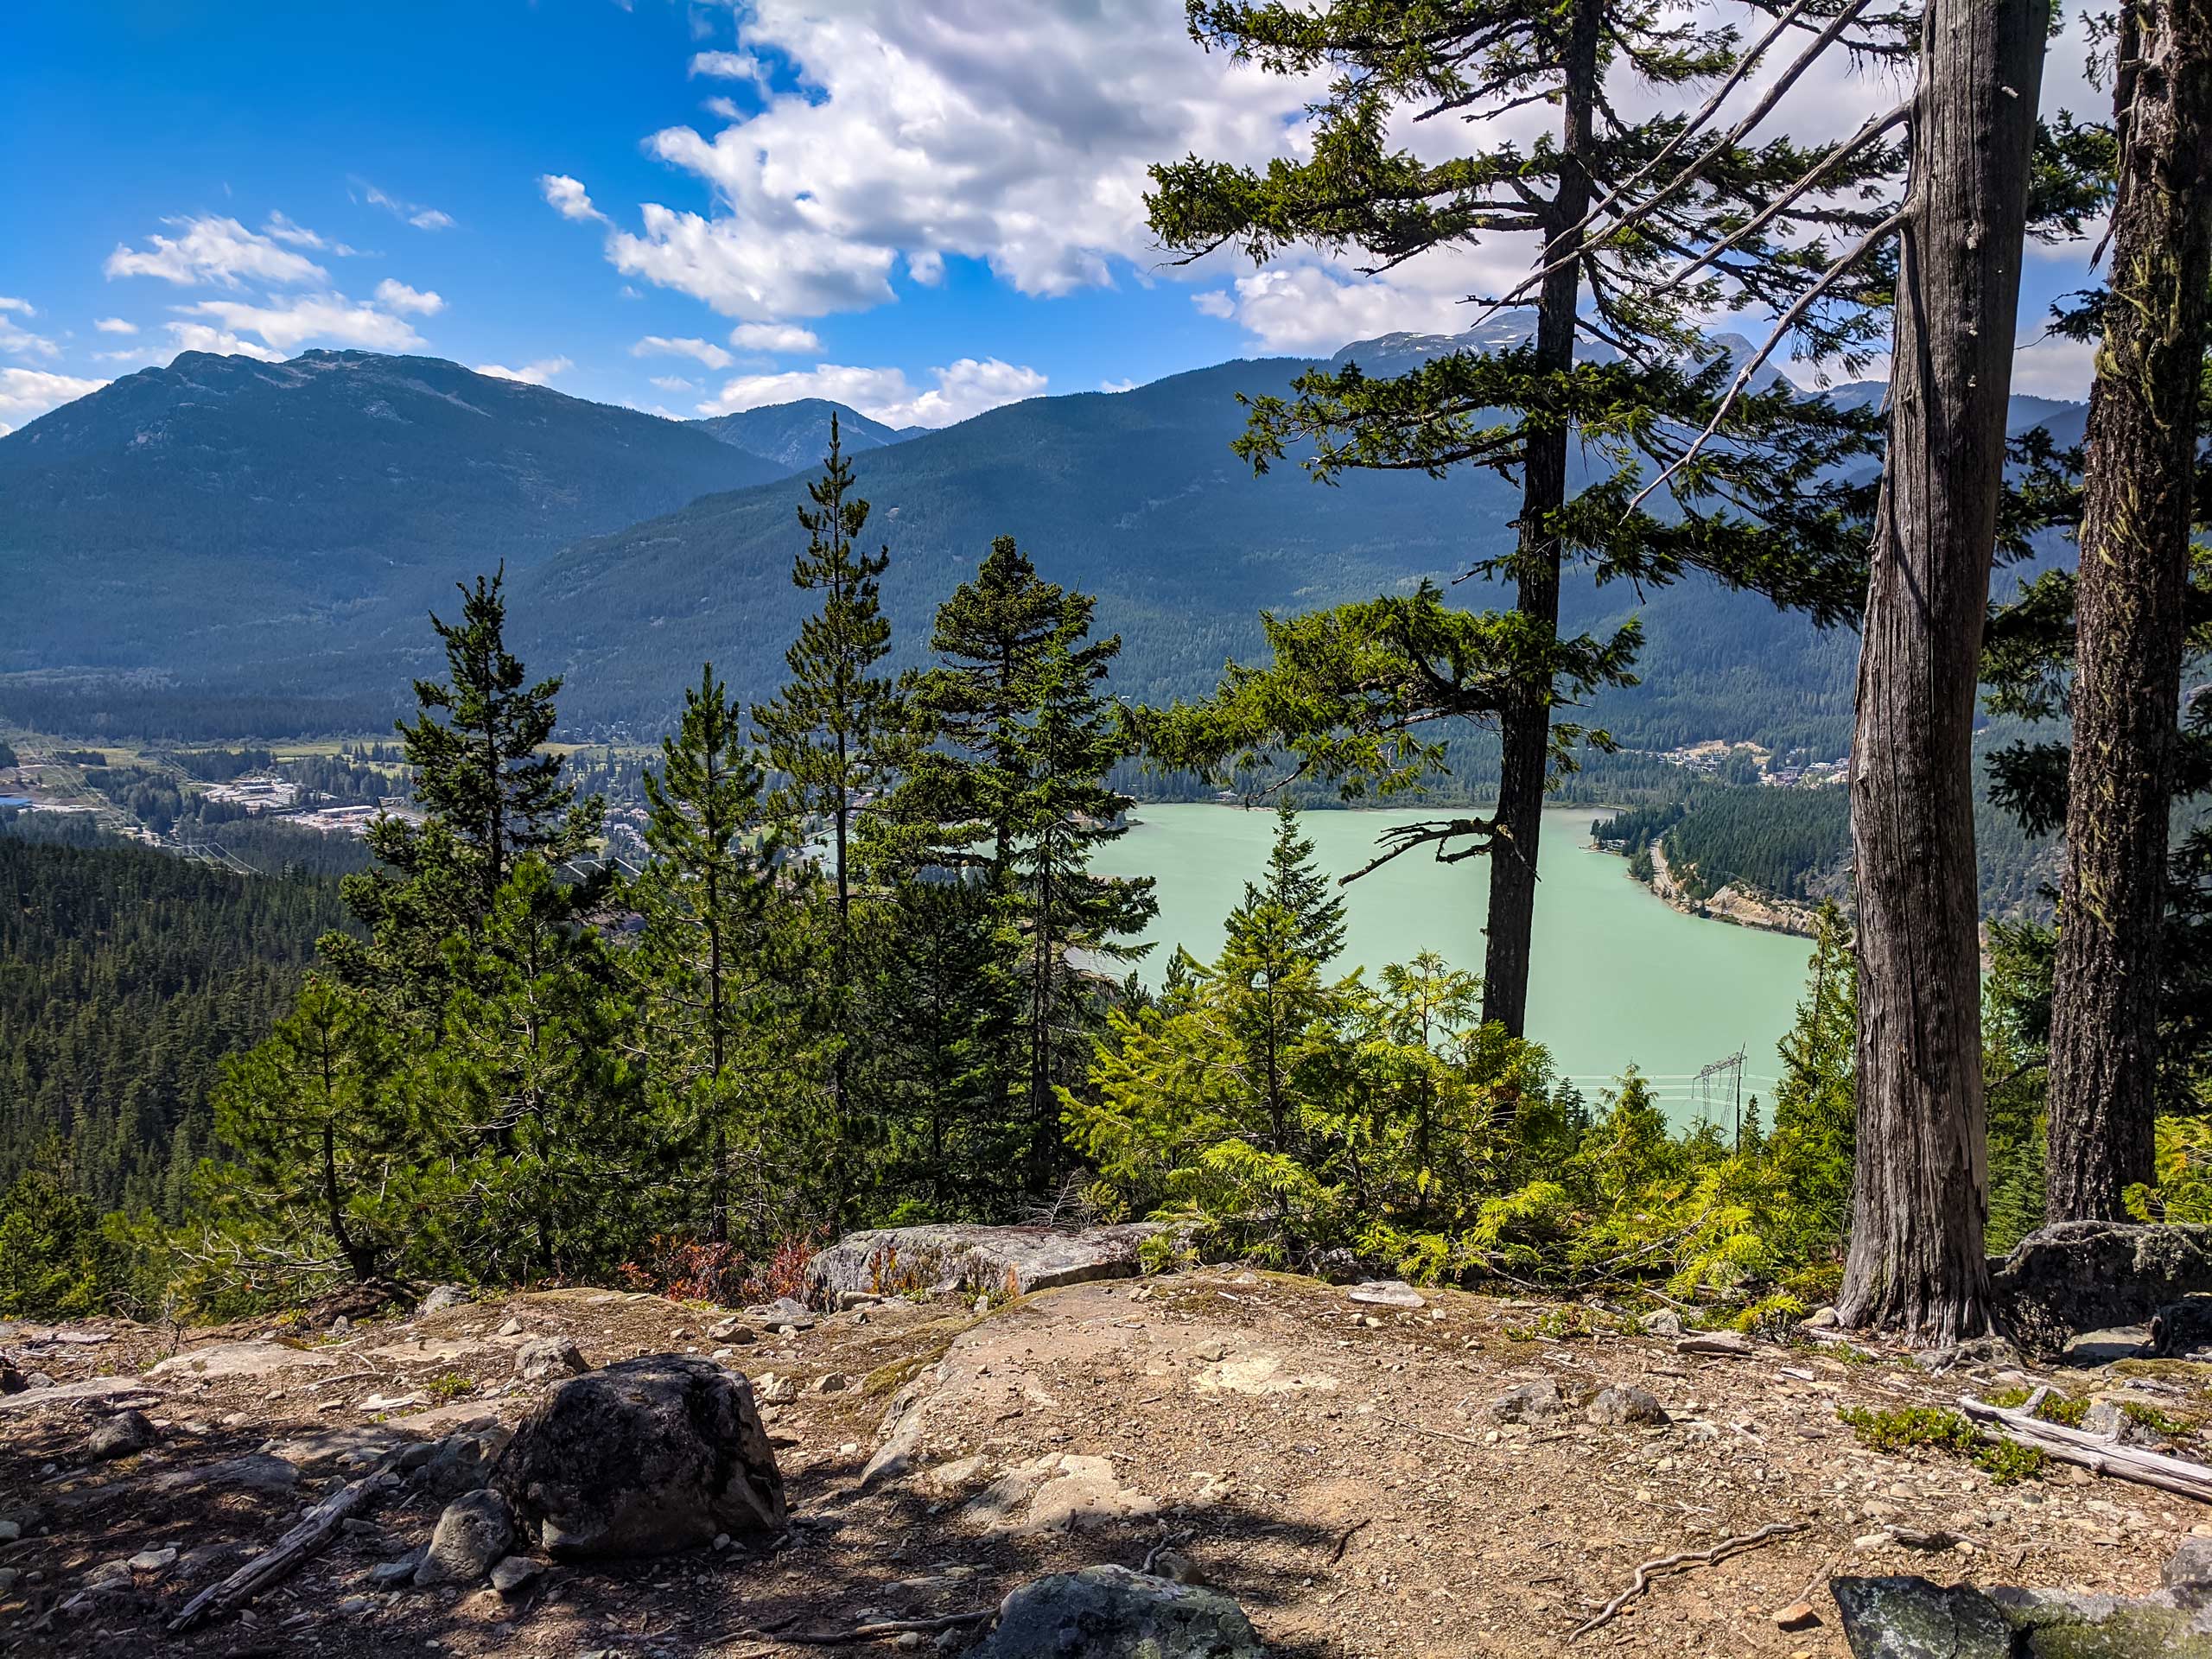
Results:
x,y
1719,1551
1835,273
874,1630
287,1555
2168,1474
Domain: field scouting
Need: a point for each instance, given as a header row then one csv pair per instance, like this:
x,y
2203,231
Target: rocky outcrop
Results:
x,y
644,1458
1914,1619
2076,1276
999,1261
1110,1612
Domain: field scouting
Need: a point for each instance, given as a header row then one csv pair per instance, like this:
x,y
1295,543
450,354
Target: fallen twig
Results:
x,y
1433,1433
286,1555
2101,1457
1344,1538
870,1632
1719,1551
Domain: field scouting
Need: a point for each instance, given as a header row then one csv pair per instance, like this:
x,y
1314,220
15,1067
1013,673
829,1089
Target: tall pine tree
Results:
x,y
1612,201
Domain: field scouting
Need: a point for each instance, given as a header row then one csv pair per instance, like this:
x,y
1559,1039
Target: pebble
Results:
x,y
153,1561
832,1382
515,1573
9,1531
1798,1616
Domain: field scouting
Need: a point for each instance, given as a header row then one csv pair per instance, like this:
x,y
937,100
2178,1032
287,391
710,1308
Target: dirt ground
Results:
x,y
1334,1467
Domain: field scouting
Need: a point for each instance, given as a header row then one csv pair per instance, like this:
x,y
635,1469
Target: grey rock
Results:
x,y
2183,1330
8,1577
1628,1407
734,1330
153,1561
1110,1612
123,1435
1716,1344
475,1532
543,1356
255,1473
2075,1276
385,1574
1387,1293
643,1457
1662,1322
2105,1420
1823,1319
440,1297
832,1382
9,1531
516,1574
460,1463
2190,1564
1914,1619
947,1258
1529,1403
332,1447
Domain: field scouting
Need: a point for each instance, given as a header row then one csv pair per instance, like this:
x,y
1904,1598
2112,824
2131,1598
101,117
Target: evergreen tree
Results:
x,y
1812,1147
493,797
707,958
311,1118
1066,746
1613,199
833,733
1293,885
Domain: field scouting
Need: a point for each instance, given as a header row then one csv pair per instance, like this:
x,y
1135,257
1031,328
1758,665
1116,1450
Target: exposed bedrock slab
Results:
x,y
1013,1261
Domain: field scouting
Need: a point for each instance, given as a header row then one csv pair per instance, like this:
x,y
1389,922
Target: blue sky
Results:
x,y
919,206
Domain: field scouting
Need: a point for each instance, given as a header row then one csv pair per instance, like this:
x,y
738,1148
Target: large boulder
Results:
x,y
1007,1260
2075,1276
1915,1618
643,1457
1110,1612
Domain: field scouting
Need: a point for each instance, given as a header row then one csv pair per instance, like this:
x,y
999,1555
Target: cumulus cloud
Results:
x,y
115,326
397,296
2050,365
1117,386
568,197
215,251
661,345
531,374
204,337
290,323
26,394
774,337
965,388
413,213
1014,135
21,307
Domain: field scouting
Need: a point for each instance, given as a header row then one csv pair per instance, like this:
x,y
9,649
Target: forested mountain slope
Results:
x,y
285,525
794,435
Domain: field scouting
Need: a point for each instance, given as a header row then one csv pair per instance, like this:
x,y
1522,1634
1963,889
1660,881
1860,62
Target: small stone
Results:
x,y
2190,1564
9,1531
1716,1344
550,1356
1211,1350
512,1328
732,1330
1662,1322
1628,1406
1798,1616
771,1390
473,1533
385,1574
1922,1538
352,1606
153,1561
832,1382
1529,1404
440,1297
8,1575
516,1574
1823,1319
125,1435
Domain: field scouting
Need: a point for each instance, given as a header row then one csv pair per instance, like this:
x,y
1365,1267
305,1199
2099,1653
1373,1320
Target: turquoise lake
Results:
x,y
1618,977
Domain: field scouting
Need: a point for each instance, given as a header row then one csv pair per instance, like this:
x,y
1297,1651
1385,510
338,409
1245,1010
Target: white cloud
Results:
x,y
213,249
727,65
774,337
727,108
287,325
568,197
26,394
2050,365
1016,134
1216,303
397,296
661,345
21,342
531,374
201,337
21,307
414,212
675,384
1117,386
293,234
965,388
115,326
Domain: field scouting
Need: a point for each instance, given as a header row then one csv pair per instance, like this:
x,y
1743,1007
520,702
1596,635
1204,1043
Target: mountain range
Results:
x,y
226,546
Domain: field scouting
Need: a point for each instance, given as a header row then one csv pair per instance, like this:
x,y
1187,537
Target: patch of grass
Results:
x,y
1560,1324
451,1386
1909,1429
2155,1422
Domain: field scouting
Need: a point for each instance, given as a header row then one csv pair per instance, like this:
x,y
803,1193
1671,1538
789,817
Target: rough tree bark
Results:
x,y
2134,570
1525,725
1921,1195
